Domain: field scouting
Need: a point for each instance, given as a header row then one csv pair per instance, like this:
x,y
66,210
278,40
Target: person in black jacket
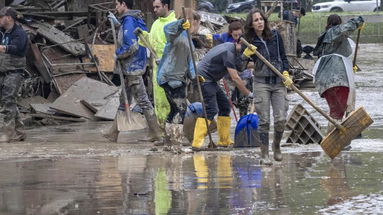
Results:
x,y
13,47
269,88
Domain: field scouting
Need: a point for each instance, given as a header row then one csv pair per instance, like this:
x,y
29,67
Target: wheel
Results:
x,y
336,9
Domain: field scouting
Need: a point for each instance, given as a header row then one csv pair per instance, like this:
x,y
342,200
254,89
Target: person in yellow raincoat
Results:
x,y
156,38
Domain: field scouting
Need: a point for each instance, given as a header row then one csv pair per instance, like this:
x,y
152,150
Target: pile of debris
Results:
x,y
69,62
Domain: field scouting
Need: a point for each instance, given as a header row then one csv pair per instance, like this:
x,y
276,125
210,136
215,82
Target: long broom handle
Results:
x,y
230,101
293,87
146,43
211,143
119,69
356,48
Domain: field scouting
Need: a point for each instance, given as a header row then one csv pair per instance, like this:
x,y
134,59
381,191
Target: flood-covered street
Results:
x,y
71,169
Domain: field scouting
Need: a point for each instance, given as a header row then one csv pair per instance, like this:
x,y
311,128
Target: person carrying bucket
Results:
x,y
131,59
221,60
269,88
174,72
333,72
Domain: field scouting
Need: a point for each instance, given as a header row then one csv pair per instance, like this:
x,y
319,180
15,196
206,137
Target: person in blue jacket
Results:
x,y
131,58
13,47
232,36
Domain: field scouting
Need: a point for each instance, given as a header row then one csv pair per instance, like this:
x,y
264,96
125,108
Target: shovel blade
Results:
x,y
354,124
130,121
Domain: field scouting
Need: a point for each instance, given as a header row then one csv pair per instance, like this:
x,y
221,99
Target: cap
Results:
x,y
8,11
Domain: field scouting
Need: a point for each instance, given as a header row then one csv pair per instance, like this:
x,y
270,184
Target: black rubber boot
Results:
x,y
265,159
277,146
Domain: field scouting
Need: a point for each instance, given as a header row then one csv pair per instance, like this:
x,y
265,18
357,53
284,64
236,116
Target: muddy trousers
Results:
x,y
135,87
10,83
177,100
274,95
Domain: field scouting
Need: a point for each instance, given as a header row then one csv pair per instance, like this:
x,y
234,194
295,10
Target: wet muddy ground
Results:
x,y
71,169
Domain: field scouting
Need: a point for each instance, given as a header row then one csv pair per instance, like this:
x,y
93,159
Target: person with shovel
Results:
x,y
334,78
131,59
269,87
221,60
174,72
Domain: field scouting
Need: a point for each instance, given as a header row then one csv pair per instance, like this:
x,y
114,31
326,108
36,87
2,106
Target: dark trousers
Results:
x,y
215,100
177,100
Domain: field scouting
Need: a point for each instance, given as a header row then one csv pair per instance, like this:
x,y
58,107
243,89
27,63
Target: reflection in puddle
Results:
x,y
202,183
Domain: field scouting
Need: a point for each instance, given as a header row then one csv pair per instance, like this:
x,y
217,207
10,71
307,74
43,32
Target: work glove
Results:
x,y
362,26
355,69
249,51
287,80
112,17
186,25
145,34
201,79
250,96
209,39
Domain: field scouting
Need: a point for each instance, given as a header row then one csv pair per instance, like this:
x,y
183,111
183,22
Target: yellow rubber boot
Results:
x,y
223,126
200,131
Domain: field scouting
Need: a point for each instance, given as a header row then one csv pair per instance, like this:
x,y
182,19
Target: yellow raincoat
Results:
x,y
157,40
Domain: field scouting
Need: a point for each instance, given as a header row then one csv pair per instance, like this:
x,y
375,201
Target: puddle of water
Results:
x,y
203,183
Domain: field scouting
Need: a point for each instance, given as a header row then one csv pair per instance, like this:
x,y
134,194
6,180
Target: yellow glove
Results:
x,y
249,51
145,34
209,39
186,25
287,80
201,79
355,69
362,26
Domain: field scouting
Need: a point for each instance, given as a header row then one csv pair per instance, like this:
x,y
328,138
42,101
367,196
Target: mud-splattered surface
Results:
x,y
71,169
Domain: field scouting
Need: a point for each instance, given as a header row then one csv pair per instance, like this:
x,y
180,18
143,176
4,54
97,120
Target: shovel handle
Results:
x,y
119,69
356,48
211,143
146,43
293,87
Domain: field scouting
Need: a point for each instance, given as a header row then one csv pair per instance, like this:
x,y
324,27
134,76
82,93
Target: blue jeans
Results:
x,y
215,100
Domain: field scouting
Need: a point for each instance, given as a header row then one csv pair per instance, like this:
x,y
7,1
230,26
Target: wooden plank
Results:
x,y
58,37
109,110
47,116
66,81
35,54
26,102
42,108
84,89
104,56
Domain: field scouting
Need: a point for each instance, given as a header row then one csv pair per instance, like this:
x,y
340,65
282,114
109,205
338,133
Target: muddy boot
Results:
x,y
155,133
174,133
20,135
112,133
265,160
277,146
10,134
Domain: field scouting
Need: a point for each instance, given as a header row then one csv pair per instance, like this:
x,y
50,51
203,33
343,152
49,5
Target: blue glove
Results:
x,y
112,17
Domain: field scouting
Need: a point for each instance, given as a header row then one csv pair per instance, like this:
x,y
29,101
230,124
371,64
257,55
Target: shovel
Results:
x,y
246,130
128,120
343,133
